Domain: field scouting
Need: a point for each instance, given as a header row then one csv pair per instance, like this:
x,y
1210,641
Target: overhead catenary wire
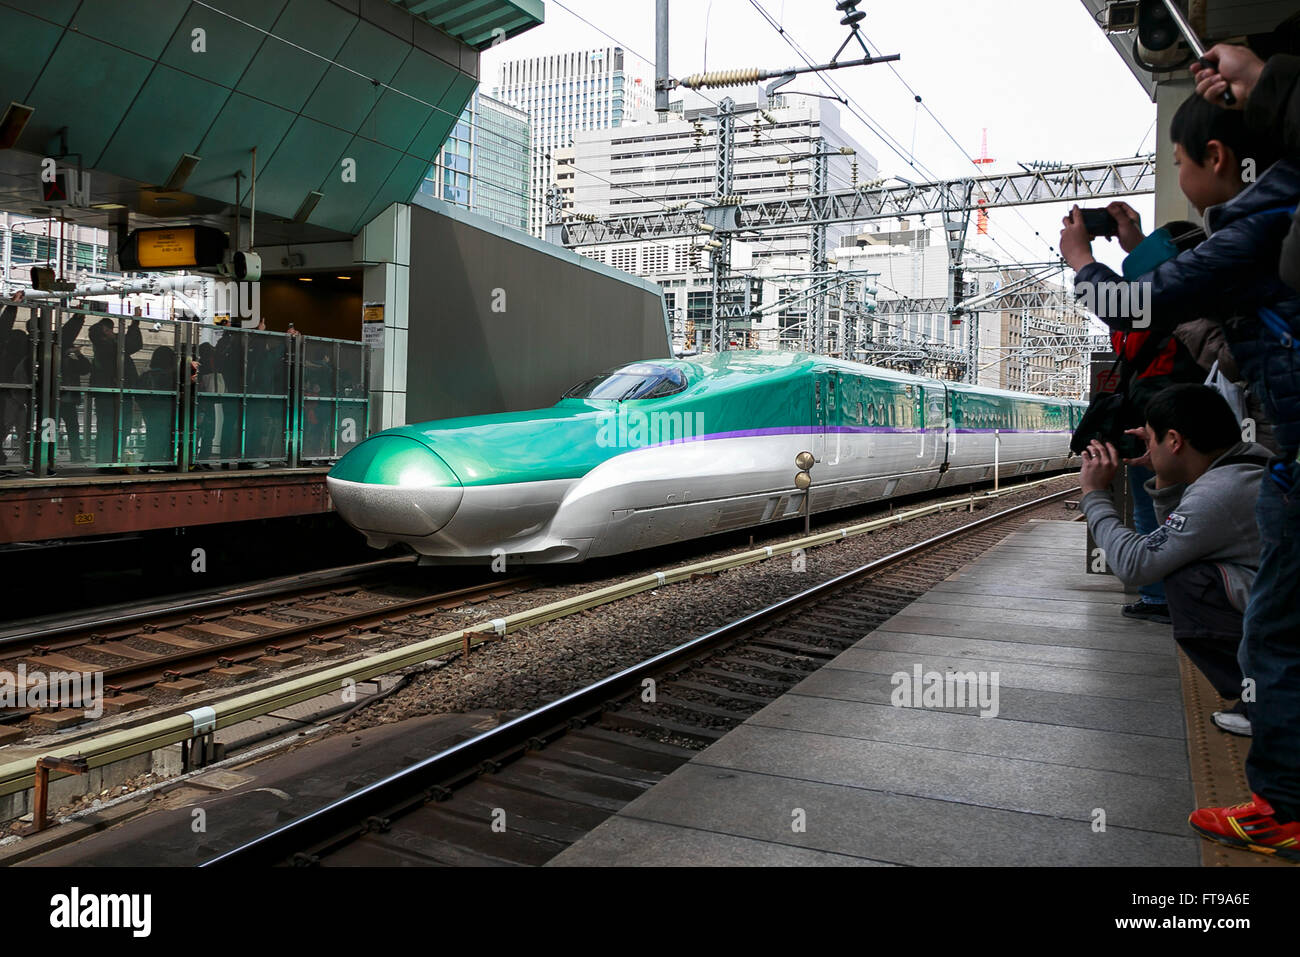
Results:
x,y
767,245
871,124
609,36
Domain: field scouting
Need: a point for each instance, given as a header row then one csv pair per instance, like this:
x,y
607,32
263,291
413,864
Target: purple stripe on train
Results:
x,y
842,429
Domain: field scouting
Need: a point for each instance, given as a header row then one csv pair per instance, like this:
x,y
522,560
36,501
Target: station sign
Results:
x,y
372,324
177,247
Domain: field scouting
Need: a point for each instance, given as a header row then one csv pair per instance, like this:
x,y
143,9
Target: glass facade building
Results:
x,y
565,93
484,164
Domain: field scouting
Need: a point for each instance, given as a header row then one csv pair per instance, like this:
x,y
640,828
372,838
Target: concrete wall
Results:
x,y
499,321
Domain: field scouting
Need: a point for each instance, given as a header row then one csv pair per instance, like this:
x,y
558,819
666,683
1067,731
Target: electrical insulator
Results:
x,y
790,179
757,132
723,78
855,174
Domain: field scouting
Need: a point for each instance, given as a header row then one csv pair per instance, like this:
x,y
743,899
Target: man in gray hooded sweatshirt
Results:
x,y
1207,546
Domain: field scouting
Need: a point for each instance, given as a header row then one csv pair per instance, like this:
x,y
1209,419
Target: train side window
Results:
x,y
859,413
871,413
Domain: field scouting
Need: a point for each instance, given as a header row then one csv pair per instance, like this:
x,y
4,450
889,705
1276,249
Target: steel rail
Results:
x,y
372,806
328,578
121,744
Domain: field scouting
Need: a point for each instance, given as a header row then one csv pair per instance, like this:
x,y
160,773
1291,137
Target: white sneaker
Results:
x,y
1232,723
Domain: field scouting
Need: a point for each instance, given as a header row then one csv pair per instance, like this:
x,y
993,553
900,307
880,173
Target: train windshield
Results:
x,y
643,380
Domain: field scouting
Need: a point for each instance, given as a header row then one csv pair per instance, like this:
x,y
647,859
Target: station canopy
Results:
x,y
351,99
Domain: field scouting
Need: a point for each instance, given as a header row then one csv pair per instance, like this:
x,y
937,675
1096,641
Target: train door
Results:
x,y
831,435
934,425
825,403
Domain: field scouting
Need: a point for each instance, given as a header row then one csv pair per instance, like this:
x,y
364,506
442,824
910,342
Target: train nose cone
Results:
x,y
393,485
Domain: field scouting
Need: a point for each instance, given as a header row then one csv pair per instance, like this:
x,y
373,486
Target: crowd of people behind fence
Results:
x,y
239,389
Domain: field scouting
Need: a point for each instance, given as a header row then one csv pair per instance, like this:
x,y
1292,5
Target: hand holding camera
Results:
x,y
1100,463
1076,239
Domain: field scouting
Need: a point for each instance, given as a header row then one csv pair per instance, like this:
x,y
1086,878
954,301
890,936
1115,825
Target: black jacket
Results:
x,y
1274,111
1229,277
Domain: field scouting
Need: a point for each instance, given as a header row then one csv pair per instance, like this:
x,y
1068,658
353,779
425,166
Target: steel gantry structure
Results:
x,y
1079,183
953,200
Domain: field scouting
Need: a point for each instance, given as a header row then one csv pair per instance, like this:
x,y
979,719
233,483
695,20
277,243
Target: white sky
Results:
x,y
1039,74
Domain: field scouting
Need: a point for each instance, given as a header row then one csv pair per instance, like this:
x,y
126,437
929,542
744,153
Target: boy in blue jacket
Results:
x,y
1233,277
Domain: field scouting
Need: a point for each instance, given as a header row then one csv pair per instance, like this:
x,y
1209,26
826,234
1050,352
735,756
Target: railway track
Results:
x,y
159,655
172,652
524,791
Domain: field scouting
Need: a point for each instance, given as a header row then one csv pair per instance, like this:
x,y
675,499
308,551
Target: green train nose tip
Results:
x,y
394,460
396,485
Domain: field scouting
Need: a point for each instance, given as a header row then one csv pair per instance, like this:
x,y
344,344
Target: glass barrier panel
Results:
x,y
132,392
318,428
219,406
267,357
351,428
333,369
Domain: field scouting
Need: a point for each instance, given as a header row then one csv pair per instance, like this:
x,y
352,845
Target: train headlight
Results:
x,y
416,476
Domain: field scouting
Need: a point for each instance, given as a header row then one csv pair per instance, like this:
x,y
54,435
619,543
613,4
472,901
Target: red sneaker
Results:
x,y
1250,825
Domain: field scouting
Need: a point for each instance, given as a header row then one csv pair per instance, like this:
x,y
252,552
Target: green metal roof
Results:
x,y
478,23
310,83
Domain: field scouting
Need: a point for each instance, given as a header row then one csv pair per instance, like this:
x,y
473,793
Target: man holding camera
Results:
x,y
1207,546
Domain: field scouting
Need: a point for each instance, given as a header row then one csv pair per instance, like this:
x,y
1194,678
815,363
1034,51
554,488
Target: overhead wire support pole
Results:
x,y
662,76
817,248
720,334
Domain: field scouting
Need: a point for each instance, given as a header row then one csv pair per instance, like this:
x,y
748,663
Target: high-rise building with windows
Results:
x,y
484,166
564,93
673,164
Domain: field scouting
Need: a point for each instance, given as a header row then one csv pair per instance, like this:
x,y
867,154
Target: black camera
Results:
x,y
1105,420
1128,446
1100,222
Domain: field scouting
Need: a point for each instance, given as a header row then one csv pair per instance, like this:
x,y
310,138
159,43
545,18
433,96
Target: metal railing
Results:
x,y
91,390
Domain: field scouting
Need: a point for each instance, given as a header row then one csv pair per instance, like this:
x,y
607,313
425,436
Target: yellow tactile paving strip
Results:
x,y
1218,763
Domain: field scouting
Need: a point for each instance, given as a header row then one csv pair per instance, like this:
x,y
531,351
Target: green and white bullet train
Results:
x,y
669,450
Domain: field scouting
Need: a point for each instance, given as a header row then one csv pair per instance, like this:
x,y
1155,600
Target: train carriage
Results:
x,y
671,450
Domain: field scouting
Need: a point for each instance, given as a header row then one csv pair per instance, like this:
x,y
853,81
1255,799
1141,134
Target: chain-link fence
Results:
x,y
90,390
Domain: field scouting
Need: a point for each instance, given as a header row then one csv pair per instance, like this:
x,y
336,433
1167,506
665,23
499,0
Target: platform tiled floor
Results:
x,y
1085,763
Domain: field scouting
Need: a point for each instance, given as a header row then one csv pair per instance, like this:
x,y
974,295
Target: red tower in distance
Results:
x,y
983,217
